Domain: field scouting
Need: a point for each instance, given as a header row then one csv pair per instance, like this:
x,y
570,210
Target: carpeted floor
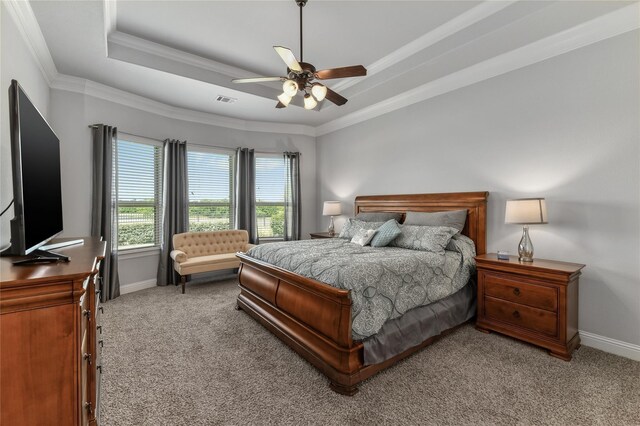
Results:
x,y
172,359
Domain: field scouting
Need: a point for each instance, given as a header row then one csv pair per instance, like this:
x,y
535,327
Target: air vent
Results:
x,y
226,99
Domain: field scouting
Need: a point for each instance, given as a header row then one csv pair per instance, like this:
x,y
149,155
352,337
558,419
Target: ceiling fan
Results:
x,y
301,76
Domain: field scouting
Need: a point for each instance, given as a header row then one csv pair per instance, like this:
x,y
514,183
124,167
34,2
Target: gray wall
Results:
x,y
73,112
17,63
566,129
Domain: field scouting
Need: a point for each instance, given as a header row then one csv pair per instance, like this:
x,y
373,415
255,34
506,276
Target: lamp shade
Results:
x,y
332,208
526,211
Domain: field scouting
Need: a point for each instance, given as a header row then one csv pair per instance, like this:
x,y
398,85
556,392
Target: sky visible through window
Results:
x,y
209,176
270,179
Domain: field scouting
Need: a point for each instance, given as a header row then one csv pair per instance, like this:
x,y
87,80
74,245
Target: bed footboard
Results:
x,y
313,318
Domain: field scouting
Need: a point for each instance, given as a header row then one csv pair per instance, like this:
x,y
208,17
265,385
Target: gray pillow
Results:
x,y
424,238
352,226
379,216
386,233
454,219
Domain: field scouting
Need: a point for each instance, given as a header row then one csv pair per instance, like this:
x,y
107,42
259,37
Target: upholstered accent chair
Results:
x,y
195,252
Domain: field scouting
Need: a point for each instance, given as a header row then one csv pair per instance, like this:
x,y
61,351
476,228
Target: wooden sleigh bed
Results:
x,y
314,319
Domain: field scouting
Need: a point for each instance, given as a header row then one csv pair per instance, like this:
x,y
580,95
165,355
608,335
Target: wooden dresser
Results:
x,y
49,343
532,301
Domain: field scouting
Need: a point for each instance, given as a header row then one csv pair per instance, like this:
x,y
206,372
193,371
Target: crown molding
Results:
x,y
140,44
455,25
25,20
610,25
90,88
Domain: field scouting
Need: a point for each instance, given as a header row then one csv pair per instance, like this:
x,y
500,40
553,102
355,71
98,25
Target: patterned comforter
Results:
x,y
384,282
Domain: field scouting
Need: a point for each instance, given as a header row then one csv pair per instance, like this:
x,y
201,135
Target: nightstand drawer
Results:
x,y
521,292
534,319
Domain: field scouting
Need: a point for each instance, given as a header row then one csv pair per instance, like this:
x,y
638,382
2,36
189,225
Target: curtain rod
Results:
x,y
93,126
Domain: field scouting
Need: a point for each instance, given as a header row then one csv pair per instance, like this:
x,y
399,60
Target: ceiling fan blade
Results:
x,y
280,105
288,58
257,79
352,71
335,98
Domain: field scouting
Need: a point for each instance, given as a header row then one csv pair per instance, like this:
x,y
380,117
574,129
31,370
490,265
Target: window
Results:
x,y
210,189
139,180
270,188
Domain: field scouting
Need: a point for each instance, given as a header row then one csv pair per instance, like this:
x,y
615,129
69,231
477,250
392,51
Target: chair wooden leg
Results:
x,y
183,281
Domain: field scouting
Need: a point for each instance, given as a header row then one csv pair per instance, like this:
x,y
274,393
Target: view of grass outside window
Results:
x,y
210,190
139,181
270,188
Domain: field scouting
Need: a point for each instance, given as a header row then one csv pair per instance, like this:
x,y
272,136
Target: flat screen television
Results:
x,y
37,187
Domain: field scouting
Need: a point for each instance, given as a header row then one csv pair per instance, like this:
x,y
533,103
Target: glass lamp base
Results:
x,y
331,228
525,248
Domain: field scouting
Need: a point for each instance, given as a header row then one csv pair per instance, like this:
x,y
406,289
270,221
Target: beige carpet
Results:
x,y
172,359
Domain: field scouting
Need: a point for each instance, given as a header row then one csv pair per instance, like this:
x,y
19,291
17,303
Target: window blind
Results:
x,y
139,179
210,190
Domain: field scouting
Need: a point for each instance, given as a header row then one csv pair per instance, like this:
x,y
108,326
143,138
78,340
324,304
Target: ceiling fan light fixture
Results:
x,y
309,102
284,98
290,87
319,91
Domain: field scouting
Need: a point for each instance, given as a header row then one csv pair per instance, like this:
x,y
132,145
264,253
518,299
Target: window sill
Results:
x,y
133,253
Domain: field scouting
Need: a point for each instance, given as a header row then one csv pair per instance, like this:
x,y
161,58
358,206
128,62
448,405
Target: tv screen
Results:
x,y
37,184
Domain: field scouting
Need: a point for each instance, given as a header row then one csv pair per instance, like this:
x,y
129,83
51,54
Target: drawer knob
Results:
x,y
88,407
516,291
516,314
87,357
87,313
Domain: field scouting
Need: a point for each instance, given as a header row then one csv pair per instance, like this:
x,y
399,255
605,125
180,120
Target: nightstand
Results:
x,y
317,235
532,301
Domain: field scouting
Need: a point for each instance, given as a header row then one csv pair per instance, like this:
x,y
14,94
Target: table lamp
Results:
x,y
526,211
331,208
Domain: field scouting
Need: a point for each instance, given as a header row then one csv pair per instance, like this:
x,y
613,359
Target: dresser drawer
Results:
x,y
538,320
520,292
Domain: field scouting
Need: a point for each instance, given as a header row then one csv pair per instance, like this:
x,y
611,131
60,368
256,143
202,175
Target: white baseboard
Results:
x,y
613,346
140,285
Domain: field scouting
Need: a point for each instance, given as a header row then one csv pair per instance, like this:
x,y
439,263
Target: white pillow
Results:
x,y
364,236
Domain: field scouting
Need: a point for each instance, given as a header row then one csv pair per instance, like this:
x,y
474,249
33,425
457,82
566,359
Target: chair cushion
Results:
x,y
213,262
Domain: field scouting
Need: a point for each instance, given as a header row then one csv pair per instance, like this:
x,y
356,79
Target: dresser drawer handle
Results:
x,y
516,291
87,357
516,314
88,407
87,313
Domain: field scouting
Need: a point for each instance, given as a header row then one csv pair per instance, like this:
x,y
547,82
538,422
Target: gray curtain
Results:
x,y
245,199
292,214
104,205
175,202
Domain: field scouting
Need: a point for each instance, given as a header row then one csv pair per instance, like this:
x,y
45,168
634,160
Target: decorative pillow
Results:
x,y
363,236
352,226
425,238
386,233
453,219
379,216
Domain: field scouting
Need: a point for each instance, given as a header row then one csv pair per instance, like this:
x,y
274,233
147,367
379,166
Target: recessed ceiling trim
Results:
x,y
610,25
110,13
449,28
90,88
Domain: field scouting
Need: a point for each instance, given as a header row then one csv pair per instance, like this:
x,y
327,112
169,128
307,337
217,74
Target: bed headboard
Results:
x,y
475,203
